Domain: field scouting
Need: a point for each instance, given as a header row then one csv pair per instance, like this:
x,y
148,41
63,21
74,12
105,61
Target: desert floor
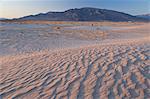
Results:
x,y
74,60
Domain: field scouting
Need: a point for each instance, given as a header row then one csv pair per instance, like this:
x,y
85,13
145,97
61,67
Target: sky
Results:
x,y
19,8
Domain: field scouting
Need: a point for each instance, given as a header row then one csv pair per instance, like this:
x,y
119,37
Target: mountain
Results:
x,y
146,16
2,18
84,14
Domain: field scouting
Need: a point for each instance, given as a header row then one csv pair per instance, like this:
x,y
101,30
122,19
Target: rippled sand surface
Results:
x,y
114,68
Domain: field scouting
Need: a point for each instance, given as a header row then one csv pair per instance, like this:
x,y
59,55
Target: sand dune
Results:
x,y
27,36
118,69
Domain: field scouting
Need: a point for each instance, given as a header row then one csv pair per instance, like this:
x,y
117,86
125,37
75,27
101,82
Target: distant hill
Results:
x,y
146,16
84,14
2,18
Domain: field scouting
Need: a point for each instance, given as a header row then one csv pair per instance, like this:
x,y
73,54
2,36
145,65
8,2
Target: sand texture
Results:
x,y
112,69
99,71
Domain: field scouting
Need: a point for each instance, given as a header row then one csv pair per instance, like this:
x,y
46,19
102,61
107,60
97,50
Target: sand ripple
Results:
x,y
118,71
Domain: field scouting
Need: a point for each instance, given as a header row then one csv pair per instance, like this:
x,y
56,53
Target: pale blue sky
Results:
x,y
19,8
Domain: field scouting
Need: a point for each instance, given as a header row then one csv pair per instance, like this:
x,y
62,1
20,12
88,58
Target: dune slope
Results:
x,y
115,70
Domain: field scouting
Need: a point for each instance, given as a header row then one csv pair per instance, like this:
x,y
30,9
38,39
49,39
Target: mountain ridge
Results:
x,y
146,16
3,19
84,14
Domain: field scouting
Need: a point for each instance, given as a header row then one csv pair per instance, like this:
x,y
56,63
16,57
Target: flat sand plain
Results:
x,y
89,60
